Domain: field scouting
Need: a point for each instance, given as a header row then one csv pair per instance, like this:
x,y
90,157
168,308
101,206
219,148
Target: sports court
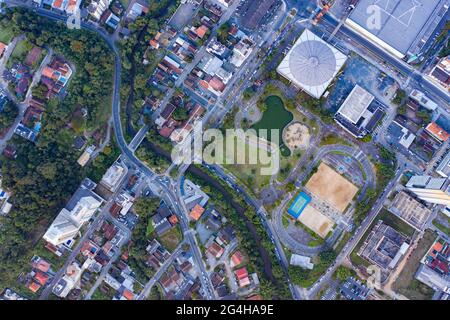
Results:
x,y
331,187
316,221
299,204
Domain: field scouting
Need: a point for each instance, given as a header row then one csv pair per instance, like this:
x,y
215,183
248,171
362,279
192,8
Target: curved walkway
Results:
x,y
284,236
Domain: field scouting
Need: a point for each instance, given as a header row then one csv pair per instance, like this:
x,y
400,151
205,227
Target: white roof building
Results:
x,y
61,230
400,27
356,104
114,176
241,52
301,261
423,100
97,7
80,208
211,64
443,168
69,281
311,64
429,189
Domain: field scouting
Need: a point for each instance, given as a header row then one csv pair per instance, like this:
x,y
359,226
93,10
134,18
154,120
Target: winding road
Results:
x,y
167,194
285,237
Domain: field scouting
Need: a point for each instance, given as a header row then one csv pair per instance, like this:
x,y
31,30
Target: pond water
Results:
x,y
275,117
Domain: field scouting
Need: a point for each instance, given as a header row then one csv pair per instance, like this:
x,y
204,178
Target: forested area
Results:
x,y
90,87
8,115
134,72
45,174
273,282
137,260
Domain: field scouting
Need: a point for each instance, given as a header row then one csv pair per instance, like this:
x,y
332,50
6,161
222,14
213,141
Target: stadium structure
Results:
x,y
311,64
404,28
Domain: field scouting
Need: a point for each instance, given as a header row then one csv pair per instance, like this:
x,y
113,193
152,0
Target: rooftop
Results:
x,y
436,131
403,23
356,104
311,64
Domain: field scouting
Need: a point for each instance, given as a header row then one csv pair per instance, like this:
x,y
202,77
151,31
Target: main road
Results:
x,y
167,194
422,81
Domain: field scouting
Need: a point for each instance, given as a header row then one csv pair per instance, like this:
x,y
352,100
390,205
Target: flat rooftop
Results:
x,y
356,104
402,22
253,11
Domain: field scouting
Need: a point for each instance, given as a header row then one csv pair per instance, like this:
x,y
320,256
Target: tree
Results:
x,y
400,95
8,115
343,273
146,206
222,32
180,114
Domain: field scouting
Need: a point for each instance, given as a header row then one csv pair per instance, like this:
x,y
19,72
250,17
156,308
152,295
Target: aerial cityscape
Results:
x,y
233,150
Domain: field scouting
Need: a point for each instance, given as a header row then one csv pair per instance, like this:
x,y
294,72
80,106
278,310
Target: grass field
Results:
x,y
100,295
333,139
6,34
171,238
405,283
441,226
20,52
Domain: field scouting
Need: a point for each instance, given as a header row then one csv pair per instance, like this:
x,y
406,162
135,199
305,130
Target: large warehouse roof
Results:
x,y
402,23
356,104
253,11
311,64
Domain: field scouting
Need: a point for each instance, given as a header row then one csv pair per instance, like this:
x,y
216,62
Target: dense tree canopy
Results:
x,y
45,174
8,115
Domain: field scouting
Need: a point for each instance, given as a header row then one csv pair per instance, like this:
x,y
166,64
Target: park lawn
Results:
x,y
100,295
389,219
150,228
249,174
287,164
442,226
274,117
172,238
20,52
311,123
6,34
406,284
333,139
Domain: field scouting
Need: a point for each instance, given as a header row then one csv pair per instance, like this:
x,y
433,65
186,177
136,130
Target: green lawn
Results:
x,y
171,238
285,221
405,283
6,34
333,139
20,52
107,295
442,226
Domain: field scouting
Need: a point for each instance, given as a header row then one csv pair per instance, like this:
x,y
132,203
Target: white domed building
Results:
x,y
311,64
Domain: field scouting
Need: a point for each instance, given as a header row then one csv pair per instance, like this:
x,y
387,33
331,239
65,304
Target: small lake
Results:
x,y
275,117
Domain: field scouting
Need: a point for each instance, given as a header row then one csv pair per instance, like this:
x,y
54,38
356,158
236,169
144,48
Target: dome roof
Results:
x,y
312,63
